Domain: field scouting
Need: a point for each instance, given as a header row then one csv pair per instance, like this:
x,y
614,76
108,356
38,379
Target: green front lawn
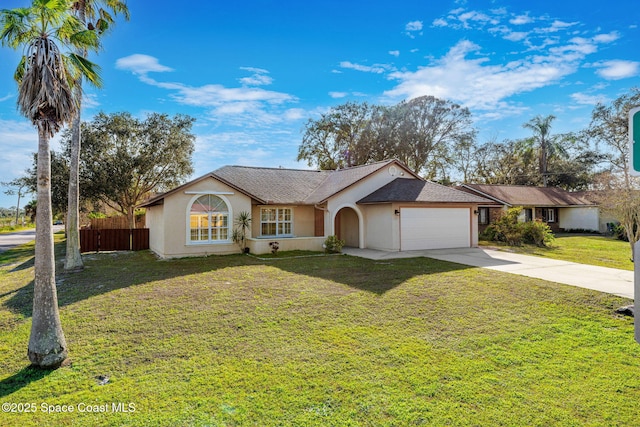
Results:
x,y
318,341
13,228
584,249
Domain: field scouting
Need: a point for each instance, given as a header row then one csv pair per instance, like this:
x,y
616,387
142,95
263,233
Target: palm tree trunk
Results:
x,y
18,207
543,161
73,259
47,345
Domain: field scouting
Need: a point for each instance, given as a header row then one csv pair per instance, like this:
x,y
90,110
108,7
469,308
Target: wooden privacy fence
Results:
x,y
119,239
120,222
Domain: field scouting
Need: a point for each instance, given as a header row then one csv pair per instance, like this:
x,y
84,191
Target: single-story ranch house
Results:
x,y
562,210
381,206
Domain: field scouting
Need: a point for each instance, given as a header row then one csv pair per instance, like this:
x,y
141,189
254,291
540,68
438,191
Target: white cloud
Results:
x,y
241,106
474,16
577,48
586,99
556,26
337,94
214,95
477,84
617,69
439,22
463,19
607,38
8,96
255,70
293,114
90,100
521,20
375,68
413,26
141,64
259,77
395,53
515,36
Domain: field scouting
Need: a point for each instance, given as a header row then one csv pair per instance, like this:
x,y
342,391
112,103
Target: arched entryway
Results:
x,y
347,226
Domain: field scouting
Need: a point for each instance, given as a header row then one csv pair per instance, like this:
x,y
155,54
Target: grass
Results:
x,y
585,249
318,341
14,228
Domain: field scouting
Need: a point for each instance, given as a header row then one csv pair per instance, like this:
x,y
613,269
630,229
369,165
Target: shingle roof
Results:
x,y
270,185
291,186
518,195
414,190
297,186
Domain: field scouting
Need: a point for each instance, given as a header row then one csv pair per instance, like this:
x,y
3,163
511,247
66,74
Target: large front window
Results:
x,y
276,222
209,219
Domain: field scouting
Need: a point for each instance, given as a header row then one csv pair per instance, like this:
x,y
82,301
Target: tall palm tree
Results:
x,y
45,77
94,17
546,143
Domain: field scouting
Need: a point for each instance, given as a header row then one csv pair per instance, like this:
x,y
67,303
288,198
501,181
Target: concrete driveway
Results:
x,y
603,279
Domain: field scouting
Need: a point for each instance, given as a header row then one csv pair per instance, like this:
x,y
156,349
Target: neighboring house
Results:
x,y
379,206
560,209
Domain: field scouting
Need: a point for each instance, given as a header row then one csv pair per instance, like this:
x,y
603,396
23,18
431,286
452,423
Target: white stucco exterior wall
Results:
x,y
154,222
175,220
579,218
349,196
382,225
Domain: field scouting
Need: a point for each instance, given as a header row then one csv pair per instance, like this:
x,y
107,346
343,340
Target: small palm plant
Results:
x,y
242,226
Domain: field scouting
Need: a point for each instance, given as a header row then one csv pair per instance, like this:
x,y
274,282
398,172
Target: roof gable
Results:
x,y
341,179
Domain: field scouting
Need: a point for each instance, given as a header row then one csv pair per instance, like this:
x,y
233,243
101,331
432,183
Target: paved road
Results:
x,y
609,280
11,240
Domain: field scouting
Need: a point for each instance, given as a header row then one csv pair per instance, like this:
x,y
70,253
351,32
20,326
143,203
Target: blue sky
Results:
x,y
253,72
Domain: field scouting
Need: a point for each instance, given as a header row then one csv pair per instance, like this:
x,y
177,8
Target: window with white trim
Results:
x,y
549,214
209,220
276,222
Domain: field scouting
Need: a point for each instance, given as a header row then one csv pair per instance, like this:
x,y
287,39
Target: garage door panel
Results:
x,y
434,228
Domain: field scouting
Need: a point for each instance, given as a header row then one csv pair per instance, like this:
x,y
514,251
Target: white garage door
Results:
x,y
434,228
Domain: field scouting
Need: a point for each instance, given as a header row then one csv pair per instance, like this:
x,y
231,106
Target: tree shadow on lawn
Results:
x,y
107,272
374,276
21,379
110,271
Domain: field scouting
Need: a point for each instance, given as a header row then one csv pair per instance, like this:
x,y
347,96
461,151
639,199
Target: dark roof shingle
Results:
x,y
414,190
519,195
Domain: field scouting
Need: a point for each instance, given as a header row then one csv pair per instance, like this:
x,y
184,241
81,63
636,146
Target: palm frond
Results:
x,y
85,40
106,16
15,27
45,96
102,26
89,70
68,27
119,7
19,73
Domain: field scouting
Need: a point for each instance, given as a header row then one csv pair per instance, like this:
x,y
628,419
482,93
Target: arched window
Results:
x,y
209,219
